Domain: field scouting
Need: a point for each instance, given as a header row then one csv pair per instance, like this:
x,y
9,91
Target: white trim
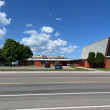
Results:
x,y
54,59
108,56
50,60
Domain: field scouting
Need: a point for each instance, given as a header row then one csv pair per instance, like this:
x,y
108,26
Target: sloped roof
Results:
x,y
99,46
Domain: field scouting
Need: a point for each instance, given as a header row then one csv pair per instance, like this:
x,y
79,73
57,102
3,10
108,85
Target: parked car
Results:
x,y
58,66
47,65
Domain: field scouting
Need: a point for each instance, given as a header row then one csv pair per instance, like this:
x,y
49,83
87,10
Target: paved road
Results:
x,y
51,91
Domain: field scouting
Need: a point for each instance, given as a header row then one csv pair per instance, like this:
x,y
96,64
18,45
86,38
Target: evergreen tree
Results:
x,y
91,58
100,59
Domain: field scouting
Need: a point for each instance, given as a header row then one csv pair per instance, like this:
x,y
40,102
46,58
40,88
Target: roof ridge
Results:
x,y
96,42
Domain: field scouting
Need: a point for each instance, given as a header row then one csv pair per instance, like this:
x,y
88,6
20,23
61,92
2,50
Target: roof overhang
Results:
x,y
49,59
54,59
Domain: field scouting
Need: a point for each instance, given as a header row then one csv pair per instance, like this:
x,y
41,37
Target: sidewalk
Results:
x,y
88,68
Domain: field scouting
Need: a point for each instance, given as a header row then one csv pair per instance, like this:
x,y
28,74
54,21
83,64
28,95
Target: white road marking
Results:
x,y
65,108
54,94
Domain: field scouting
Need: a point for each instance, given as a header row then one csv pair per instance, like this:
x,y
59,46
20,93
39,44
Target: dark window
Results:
x,y
32,63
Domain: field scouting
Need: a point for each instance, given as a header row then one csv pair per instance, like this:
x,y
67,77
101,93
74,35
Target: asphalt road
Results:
x,y
51,91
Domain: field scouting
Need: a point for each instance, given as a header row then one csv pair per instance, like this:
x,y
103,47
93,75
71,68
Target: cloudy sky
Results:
x,y
55,27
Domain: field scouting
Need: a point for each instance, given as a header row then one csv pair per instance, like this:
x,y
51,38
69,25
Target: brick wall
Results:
x,y
52,63
107,63
86,64
79,63
38,63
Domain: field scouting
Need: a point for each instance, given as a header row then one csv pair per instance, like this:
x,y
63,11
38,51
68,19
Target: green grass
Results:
x,y
103,69
75,69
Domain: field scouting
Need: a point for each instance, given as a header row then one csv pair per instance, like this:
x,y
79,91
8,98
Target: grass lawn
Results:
x,y
103,69
72,69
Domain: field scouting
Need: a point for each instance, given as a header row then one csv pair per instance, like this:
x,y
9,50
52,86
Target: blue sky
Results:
x,y
55,27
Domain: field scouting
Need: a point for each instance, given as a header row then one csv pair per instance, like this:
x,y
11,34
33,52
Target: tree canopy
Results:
x,y
1,55
99,58
13,51
91,57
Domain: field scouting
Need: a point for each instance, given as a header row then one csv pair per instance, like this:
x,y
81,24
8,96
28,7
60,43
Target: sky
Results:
x,y
55,27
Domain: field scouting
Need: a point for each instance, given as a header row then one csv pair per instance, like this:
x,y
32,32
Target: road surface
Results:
x,y
55,91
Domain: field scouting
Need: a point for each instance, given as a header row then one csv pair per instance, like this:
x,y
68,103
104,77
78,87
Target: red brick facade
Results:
x,y
38,63
107,63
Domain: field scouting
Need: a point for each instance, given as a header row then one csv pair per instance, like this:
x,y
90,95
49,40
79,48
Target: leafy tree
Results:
x,y
1,56
9,50
91,58
13,50
100,59
24,53
27,52
20,51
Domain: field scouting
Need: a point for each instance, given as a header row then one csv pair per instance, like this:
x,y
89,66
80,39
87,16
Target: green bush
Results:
x,y
95,60
100,59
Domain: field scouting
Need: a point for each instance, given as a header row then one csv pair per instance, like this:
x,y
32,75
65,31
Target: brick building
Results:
x,y
42,60
102,46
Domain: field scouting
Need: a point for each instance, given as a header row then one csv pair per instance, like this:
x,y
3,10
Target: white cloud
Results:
x,y
29,25
68,49
3,20
57,34
41,42
30,32
58,19
2,3
47,29
2,33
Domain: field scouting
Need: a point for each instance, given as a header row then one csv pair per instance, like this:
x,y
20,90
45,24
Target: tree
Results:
x,y
27,52
91,58
13,51
1,56
24,53
100,59
9,50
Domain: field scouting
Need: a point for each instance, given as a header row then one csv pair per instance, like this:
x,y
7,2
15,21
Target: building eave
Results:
x,y
54,59
49,59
